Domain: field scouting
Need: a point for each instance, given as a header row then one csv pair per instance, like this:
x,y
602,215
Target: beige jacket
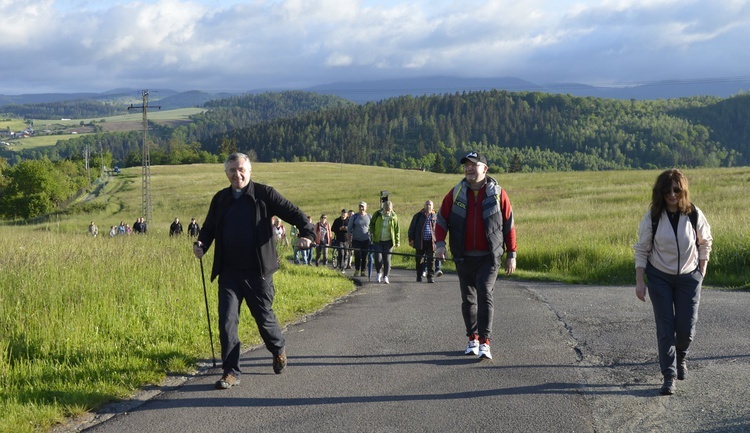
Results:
x,y
673,254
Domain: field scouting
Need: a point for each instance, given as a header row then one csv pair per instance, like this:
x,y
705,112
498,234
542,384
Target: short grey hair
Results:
x,y
236,157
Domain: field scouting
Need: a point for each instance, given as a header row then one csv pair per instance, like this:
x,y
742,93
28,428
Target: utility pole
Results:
x,y
146,208
103,178
87,153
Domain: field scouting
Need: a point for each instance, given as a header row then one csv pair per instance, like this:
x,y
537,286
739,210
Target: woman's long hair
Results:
x,y
663,186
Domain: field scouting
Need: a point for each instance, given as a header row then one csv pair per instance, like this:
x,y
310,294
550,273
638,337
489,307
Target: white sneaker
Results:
x,y
439,273
380,277
385,280
484,351
472,348
424,274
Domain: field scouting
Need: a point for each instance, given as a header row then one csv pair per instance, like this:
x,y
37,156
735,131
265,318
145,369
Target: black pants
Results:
x,y
360,254
258,294
342,259
425,260
675,299
476,278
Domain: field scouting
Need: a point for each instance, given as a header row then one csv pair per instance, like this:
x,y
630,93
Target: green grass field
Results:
x,y
12,124
135,116
88,320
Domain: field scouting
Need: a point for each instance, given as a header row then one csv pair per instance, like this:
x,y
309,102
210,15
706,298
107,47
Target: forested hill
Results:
x,y
183,144
524,130
529,131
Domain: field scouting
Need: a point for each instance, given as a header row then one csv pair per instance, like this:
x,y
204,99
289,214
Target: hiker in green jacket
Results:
x,y
385,235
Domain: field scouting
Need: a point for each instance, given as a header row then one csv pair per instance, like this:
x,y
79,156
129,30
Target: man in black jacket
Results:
x,y
422,239
245,258
339,229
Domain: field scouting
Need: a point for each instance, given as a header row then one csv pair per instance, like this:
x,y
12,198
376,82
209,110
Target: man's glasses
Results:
x,y
674,190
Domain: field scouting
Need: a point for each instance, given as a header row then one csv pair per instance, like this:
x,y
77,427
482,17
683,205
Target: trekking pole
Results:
x,y
208,315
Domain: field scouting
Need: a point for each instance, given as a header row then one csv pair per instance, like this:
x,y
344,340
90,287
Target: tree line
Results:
x,y
38,187
544,132
528,131
64,109
518,131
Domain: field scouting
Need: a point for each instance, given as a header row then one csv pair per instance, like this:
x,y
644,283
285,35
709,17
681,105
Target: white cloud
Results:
x,y
78,45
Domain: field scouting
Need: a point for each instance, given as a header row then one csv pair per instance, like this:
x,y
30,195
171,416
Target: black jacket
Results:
x,y
416,227
268,203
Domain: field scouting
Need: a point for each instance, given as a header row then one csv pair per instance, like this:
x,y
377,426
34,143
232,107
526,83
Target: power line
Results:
x,y
146,208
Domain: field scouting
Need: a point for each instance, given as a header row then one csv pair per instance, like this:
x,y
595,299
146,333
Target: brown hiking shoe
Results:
x,y
682,370
279,362
227,381
669,386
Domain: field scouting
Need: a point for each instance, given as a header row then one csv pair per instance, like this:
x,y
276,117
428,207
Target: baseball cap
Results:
x,y
363,204
474,157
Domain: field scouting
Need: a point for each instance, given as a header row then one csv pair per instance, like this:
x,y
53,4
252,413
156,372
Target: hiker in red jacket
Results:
x,y
479,217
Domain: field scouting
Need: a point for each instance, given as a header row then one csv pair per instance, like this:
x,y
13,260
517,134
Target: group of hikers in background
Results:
x,y
361,240
139,227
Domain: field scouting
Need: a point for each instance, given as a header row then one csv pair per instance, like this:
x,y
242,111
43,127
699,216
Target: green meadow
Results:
x,y
133,116
85,321
124,122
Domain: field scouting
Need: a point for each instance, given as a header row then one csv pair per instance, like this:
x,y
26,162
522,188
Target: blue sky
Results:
x,y
224,45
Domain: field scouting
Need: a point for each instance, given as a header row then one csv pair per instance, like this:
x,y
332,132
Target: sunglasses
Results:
x,y
673,190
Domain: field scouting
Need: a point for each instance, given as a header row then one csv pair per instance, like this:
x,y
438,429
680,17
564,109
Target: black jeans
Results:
x,y
342,259
361,250
675,299
258,294
425,260
476,277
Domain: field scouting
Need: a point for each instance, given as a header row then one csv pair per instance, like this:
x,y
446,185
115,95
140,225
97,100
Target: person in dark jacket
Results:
x,y
193,228
479,217
422,239
245,259
175,229
338,228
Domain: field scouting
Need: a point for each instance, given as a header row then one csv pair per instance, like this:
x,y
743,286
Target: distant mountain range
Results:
x,y
166,99
368,91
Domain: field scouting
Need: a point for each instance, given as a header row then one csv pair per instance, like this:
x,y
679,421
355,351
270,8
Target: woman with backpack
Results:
x,y
674,243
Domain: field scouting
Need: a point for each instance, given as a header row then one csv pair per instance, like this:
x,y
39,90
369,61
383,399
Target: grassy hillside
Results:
x,y
577,226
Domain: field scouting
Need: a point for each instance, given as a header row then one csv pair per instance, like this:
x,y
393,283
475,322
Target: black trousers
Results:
x,y
675,299
258,294
425,259
476,278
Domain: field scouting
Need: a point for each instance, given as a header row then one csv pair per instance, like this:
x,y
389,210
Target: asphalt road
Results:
x,y
389,358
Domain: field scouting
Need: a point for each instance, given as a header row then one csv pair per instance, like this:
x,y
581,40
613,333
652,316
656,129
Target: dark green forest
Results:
x,y
519,131
64,109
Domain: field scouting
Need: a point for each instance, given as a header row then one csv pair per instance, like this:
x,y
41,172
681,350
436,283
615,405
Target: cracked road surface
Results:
x,y
389,358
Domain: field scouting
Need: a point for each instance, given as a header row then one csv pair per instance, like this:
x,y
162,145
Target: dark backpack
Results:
x,y
693,215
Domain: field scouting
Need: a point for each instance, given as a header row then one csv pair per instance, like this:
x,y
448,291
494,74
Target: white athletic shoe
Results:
x,y
385,280
484,351
439,273
380,277
472,348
